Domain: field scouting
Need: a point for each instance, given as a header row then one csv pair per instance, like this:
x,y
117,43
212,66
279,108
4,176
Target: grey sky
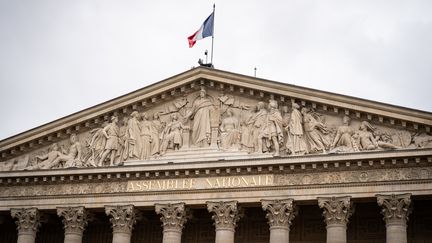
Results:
x,y
58,57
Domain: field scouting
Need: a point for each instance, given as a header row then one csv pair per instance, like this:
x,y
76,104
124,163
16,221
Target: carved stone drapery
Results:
x,y
337,210
27,220
74,219
280,213
396,208
173,216
225,214
122,218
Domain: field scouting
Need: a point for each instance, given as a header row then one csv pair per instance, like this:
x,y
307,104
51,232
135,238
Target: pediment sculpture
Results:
x,y
211,119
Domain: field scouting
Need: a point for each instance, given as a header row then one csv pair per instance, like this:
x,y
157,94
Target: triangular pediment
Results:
x,y
237,117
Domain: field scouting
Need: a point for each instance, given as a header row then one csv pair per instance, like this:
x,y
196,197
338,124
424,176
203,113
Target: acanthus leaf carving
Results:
x,y
173,216
122,218
280,213
225,214
27,220
74,219
395,208
336,210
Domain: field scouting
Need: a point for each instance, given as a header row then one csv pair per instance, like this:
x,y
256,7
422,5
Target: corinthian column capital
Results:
x,y
225,214
173,216
122,218
27,220
337,210
280,213
74,219
395,208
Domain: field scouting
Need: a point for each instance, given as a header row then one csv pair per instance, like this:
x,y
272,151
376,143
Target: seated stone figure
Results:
x,y
172,135
343,140
229,132
48,160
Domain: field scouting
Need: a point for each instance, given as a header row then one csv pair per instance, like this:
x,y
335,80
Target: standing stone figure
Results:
x,y
314,132
259,122
122,151
274,126
72,158
343,141
172,134
200,114
156,128
145,127
111,133
229,132
134,145
295,142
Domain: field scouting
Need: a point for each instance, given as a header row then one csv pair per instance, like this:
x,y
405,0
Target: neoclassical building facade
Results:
x,y
213,156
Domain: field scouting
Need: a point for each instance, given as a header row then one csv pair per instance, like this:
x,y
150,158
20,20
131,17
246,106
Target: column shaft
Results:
x,y
73,238
122,220
225,216
173,218
396,209
337,210
224,236
278,235
28,222
280,214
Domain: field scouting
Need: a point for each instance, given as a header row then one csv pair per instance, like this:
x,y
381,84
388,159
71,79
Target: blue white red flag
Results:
x,y
206,30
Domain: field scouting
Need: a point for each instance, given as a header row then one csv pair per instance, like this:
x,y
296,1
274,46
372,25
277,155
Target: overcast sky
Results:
x,y
58,57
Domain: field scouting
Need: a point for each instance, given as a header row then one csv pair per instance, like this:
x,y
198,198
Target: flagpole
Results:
x,y
211,58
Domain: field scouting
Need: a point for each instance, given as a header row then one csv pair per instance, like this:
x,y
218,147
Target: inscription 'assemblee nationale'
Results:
x,y
200,183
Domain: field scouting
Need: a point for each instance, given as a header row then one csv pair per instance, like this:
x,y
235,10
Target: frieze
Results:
x,y
219,183
217,121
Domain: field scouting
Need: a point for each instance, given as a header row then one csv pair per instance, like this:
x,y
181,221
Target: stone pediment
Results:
x,y
207,115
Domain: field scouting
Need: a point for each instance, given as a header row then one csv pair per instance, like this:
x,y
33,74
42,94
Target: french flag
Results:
x,y
206,30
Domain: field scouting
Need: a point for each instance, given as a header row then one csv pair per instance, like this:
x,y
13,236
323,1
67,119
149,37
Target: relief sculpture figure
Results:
x,y
343,140
274,128
367,140
156,128
73,157
134,145
229,132
121,152
145,134
258,121
172,135
111,133
47,160
295,142
314,132
200,114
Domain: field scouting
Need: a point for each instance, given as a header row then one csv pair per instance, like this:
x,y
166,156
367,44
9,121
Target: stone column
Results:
x,y
396,209
225,216
122,219
28,222
337,210
280,213
74,223
173,217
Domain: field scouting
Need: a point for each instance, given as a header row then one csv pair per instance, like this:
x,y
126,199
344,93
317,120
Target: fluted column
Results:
x,y
122,219
173,217
225,217
74,223
280,213
396,209
337,210
28,222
